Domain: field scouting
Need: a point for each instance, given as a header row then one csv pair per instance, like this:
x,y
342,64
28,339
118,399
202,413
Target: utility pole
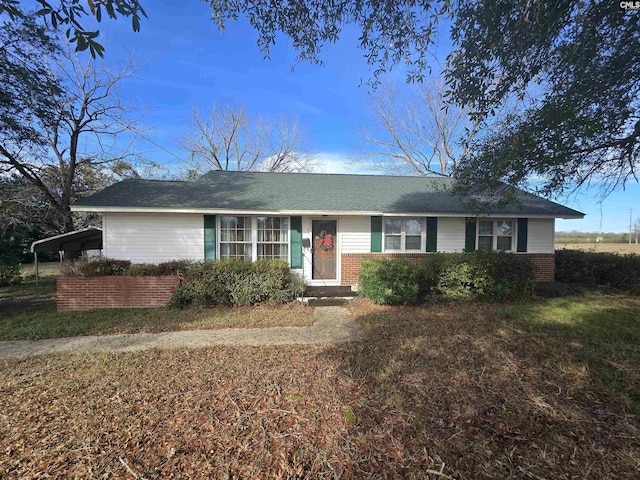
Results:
x,y
630,223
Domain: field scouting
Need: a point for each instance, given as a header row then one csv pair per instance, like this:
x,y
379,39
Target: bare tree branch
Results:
x,y
417,134
226,138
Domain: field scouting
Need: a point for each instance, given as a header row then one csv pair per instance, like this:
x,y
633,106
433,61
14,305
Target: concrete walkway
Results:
x,y
332,324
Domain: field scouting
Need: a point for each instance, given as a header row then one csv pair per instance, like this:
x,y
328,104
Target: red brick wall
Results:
x,y
76,293
544,262
350,268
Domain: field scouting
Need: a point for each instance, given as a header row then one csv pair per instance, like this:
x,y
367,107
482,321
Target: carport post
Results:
x,y
35,258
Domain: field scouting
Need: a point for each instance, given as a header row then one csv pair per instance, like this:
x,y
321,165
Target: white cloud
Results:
x,y
337,162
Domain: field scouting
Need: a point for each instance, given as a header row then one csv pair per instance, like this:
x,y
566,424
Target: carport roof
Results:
x,y
84,239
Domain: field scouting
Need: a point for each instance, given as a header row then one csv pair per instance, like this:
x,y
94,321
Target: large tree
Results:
x,y
66,149
70,17
412,131
572,69
227,137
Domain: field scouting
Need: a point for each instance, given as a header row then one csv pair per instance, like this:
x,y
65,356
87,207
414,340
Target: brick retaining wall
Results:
x,y
351,264
75,293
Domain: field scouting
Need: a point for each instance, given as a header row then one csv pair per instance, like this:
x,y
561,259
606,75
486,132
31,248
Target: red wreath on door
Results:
x,y
324,241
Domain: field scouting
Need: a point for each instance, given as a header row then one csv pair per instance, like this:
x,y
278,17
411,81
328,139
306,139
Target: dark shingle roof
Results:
x,y
307,192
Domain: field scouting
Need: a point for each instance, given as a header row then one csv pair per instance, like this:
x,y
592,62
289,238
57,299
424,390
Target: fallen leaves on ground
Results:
x,y
448,391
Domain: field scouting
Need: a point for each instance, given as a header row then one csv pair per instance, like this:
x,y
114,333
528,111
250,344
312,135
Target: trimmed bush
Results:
x,y
490,276
389,281
234,282
598,269
172,267
96,267
10,274
486,275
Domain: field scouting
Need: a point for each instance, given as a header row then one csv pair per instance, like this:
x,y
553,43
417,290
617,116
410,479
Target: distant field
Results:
x,y
621,248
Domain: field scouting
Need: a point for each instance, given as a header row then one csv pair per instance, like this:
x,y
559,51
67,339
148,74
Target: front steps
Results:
x,y
327,296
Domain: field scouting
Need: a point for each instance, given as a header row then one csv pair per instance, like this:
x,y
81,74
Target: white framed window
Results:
x,y
404,234
496,235
235,238
273,237
254,238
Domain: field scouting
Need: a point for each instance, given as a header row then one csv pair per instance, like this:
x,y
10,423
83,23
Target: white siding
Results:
x,y
541,235
355,234
153,237
451,234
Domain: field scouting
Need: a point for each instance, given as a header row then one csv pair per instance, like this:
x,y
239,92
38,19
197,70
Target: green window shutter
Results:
x,y
209,237
376,234
470,235
432,234
523,233
296,242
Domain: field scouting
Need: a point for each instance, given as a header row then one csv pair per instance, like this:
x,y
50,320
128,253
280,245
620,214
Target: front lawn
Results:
x,y
24,316
545,389
43,321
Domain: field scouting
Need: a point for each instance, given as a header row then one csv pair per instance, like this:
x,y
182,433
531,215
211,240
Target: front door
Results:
x,y
324,249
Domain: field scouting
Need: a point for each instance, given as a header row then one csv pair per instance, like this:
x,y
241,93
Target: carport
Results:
x,y
76,241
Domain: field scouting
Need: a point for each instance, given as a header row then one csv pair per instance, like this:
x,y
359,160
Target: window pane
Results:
x,y
485,227
392,242
485,244
392,226
412,242
504,228
413,227
226,222
273,250
504,243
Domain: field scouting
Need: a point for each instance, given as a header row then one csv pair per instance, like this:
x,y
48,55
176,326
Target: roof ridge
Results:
x,y
242,172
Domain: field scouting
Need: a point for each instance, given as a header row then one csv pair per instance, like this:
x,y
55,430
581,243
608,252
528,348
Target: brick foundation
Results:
x,y
545,264
76,293
351,264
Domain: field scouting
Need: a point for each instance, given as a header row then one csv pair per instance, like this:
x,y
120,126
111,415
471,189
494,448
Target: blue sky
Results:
x,y
185,62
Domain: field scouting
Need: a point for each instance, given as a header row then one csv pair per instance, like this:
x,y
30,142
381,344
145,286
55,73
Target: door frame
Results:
x,y
338,247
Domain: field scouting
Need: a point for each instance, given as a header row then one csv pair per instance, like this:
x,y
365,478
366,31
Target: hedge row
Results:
x,y
234,282
109,266
492,276
598,269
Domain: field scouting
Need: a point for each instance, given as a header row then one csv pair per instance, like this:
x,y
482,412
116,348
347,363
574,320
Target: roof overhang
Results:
x,y
235,211
85,239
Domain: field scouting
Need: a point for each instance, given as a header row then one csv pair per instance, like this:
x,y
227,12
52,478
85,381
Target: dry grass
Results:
x,y
43,321
24,316
470,391
619,248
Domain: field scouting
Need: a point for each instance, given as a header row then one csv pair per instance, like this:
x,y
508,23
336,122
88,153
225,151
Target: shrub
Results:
x,y
234,282
108,266
493,276
598,269
173,267
486,275
463,276
96,267
10,274
389,281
